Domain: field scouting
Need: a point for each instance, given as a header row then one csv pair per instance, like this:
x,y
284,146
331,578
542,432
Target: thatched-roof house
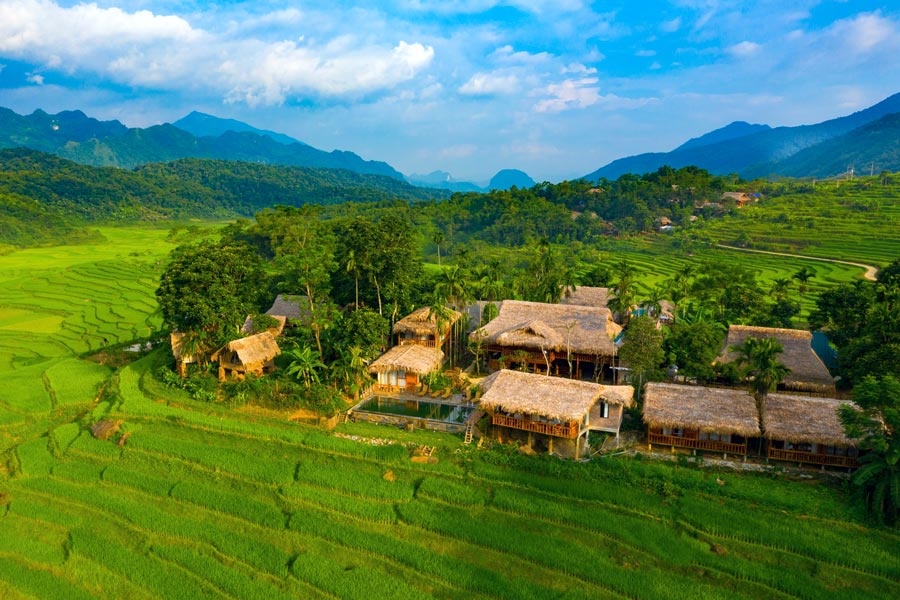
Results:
x,y
401,367
808,372
550,338
552,412
253,354
700,418
420,328
182,359
585,295
809,430
291,307
276,330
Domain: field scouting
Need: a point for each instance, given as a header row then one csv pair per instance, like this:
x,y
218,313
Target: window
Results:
x,y
604,410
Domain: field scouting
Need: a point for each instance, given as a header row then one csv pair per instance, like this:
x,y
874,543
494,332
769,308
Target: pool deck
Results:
x,y
356,413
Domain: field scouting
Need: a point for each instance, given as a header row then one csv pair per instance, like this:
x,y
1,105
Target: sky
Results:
x,y
556,89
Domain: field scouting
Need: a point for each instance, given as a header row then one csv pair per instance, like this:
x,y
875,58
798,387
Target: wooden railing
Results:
x,y
565,431
389,389
415,342
813,458
712,445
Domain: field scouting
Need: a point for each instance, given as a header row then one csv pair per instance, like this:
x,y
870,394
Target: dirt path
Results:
x,y
869,274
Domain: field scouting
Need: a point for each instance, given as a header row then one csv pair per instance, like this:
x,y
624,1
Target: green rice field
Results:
x,y
195,500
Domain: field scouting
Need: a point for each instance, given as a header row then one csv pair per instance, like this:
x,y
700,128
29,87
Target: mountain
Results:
x,y
508,178
203,125
873,147
73,135
444,181
43,196
747,154
731,131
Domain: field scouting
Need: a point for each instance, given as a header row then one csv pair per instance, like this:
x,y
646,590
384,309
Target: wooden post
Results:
x,y
550,445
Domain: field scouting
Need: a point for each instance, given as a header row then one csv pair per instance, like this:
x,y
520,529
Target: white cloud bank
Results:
x,y
166,52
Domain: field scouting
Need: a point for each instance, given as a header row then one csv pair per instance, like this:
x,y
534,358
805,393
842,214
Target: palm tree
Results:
x,y
438,239
758,360
780,288
441,315
803,276
305,365
352,266
454,287
349,370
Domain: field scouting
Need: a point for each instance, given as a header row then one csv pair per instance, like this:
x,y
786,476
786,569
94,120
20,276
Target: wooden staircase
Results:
x,y
470,431
471,424
345,416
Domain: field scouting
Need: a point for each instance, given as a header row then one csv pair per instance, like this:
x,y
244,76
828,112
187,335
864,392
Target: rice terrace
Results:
x,y
201,500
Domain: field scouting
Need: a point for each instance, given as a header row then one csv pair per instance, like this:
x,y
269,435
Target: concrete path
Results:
x,y
869,274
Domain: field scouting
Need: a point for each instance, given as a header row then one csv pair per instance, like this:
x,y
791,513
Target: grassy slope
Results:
x,y
202,501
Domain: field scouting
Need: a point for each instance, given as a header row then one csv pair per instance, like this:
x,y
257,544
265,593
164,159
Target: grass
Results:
x,y
205,501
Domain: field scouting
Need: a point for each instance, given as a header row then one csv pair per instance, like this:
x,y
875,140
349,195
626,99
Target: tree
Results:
x,y
877,481
209,289
305,365
642,350
438,239
348,370
758,360
364,328
441,315
694,347
624,294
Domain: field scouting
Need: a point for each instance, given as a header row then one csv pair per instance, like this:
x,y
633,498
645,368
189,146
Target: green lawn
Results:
x,y
204,501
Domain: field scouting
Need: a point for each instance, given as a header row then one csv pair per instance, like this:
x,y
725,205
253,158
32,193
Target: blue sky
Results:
x,y
556,89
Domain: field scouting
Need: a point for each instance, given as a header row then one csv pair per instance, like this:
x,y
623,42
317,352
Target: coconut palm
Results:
x,y
758,360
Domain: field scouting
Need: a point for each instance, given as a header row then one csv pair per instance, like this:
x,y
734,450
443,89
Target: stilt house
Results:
x,y
254,354
402,367
808,430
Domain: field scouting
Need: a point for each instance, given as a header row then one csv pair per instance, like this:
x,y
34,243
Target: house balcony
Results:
x,y
415,342
563,431
682,442
814,458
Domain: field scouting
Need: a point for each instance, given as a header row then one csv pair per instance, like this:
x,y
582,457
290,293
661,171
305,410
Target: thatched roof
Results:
x,y
417,359
806,420
550,397
710,410
247,327
422,322
584,295
536,326
808,372
291,307
253,350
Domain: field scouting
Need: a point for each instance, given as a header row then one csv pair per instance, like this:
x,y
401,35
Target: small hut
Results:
x,y
551,413
182,360
808,430
420,328
808,372
700,418
401,368
558,339
253,354
291,308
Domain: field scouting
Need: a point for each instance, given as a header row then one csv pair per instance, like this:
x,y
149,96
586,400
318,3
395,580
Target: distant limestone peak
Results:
x,y
508,178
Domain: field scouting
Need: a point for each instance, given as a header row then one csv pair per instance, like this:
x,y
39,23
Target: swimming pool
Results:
x,y
423,413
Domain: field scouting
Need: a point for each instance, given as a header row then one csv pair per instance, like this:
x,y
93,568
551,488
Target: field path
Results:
x,y
869,274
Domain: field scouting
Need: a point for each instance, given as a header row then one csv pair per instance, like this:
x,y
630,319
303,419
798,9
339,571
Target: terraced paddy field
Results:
x,y
196,500
848,220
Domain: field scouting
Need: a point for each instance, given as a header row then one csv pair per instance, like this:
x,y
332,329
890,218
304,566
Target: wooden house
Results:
x,y
420,328
555,339
401,368
550,413
741,199
700,418
254,354
805,429
807,371
182,359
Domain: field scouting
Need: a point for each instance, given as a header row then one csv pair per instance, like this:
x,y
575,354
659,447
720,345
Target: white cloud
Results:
x,y
670,26
569,94
507,54
167,52
655,65
745,49
490,84
578,69
35,78
645,53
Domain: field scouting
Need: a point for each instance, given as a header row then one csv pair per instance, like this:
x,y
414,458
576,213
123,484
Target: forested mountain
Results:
x,y
753,153
204,125
507,178
41,193
873,147
73,135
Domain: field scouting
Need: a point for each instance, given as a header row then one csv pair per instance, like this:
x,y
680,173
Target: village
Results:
x,y
555,384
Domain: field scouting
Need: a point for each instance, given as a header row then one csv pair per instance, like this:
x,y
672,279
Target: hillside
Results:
x,y
73,135
203,125
744,154
45,195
